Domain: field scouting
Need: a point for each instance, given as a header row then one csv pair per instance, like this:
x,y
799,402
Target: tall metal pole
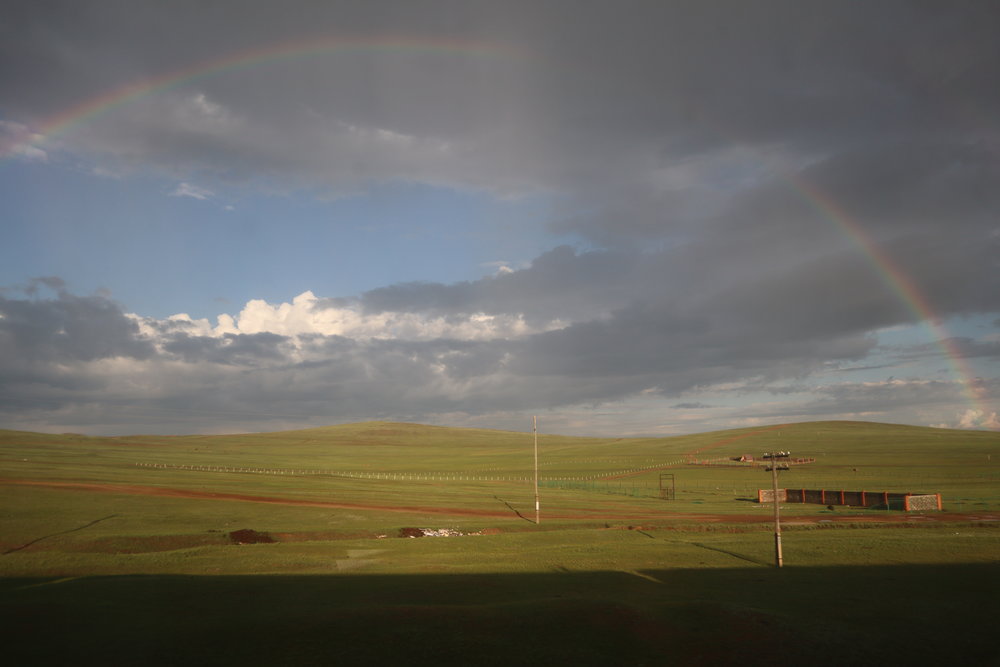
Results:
x,y
774,496
777,517
534,430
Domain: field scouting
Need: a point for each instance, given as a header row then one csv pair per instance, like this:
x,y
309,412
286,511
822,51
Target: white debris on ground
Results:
x,y
433,532
441,532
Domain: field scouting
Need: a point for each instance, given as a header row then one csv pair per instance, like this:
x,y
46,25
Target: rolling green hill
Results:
x,y
370,479
128,546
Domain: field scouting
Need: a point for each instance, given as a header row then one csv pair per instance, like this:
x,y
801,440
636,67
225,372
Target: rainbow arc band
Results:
x,y
322,45
897,281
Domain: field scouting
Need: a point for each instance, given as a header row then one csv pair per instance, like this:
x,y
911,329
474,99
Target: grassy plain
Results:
x,y
121,547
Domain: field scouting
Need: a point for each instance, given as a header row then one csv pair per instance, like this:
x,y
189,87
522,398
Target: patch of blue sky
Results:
x,y
913,351
161,248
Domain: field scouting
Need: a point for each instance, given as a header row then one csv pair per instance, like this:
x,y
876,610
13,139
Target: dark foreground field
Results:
x,y
914,615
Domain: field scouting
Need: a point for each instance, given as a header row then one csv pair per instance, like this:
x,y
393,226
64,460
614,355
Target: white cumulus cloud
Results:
x,y
308,314
979,419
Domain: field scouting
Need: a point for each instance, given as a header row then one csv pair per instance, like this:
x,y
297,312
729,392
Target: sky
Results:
x,y
628,218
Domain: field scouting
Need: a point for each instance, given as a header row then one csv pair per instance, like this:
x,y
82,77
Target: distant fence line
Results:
x,y
607,486
401,476
730,462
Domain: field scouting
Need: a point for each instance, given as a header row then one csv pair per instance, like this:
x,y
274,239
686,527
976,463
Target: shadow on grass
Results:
x,y
793,616
514,510
730,553
63,532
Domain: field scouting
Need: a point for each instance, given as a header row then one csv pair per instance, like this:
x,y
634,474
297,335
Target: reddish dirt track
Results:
x,y
164,492
566,513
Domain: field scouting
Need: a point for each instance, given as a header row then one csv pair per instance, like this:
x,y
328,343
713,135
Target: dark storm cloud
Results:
x,y
230,349
596,96
44,342
183,381
726,164
559,284
651,347
67,329
647,118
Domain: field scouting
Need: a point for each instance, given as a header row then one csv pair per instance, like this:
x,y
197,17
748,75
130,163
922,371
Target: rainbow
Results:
x,y
288,50
890,273
897,281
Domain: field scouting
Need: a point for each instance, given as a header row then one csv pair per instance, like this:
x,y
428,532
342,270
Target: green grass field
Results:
x,y
121,548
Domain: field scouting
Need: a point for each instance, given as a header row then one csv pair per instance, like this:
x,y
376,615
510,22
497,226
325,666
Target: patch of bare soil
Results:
x,y
411,532
250,536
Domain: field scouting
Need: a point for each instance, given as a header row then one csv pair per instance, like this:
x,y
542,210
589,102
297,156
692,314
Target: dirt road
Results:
x,y
618,513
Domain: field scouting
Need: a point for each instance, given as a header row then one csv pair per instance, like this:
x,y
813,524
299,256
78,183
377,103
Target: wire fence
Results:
x,y
617,488
403,476
626,482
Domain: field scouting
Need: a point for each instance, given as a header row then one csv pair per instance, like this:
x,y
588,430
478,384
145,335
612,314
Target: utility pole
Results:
x,y
534,430
774,467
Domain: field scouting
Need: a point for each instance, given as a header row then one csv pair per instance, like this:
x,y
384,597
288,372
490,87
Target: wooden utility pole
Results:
x,y
774,467
534,430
